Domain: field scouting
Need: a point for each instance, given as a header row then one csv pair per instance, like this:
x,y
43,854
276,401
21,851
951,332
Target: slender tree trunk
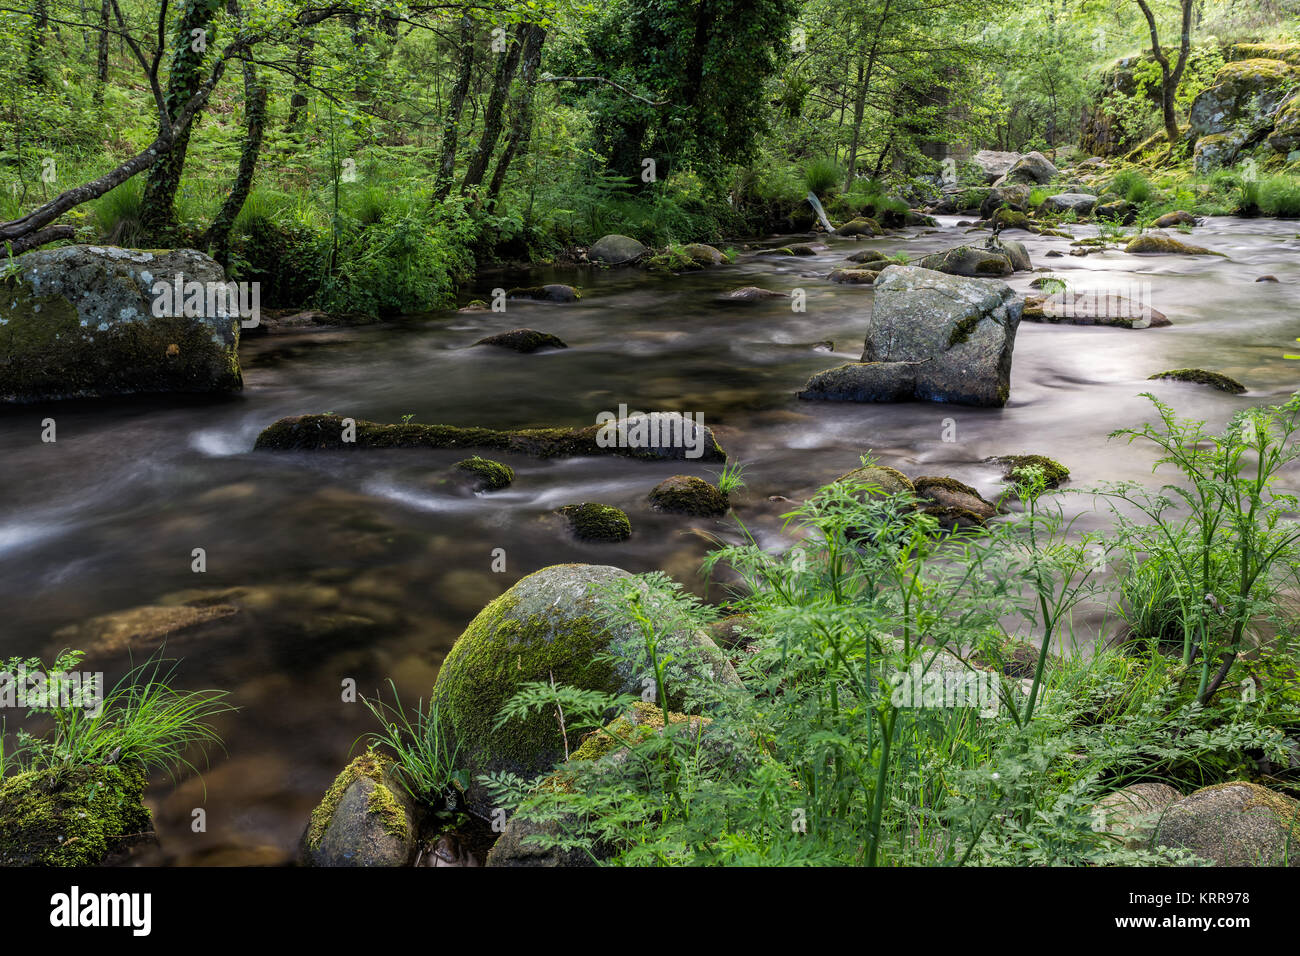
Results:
x,y
492,116
451,127
218,237
1170,76
101,62
521,123
301,69
159,205
36,42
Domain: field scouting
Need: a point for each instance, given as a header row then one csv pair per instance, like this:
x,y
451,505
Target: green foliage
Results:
x,y
1278,196
822,175
423,758
1132,185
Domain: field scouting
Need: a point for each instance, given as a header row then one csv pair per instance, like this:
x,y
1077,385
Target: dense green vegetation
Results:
x,y
364,157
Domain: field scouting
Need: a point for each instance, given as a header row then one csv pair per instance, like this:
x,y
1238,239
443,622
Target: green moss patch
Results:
x,y
1015,467
590,521
382,801
488,475
1200,376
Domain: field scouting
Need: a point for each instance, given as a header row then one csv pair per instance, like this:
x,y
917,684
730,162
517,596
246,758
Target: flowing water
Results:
x,y
366,565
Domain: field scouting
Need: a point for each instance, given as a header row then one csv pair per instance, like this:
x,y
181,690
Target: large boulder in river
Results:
x,y
994,164
82,321
1012,195
1238,109
933,337
1234,824
615,250
553,625
1031,168
998,258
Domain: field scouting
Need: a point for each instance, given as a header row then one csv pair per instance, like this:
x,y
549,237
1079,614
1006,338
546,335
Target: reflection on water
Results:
x,y
368,565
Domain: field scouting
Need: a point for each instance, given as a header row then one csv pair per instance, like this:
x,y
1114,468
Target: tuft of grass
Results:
x,y
117,214
731,477
822,175
424,760
1279,196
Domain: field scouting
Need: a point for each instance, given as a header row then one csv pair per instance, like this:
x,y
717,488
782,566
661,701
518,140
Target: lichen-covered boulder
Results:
x,y
72,816
1234,824
79,322
702,254
1238,109
933,337
688,495
365,819
615,250
1285,137
1133,812
994,164
1031,168
552,625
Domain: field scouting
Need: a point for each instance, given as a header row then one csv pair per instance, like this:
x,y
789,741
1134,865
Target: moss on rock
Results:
x,y
490,475
1152,243
1015,467
686,494
71,816
1200,376
523,340
325,432
370,765
590,521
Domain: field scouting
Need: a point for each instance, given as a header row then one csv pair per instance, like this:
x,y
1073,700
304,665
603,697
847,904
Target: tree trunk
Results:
x,y
492,116
1170,76
521,124
158,214
218,237
101,62
36,43
451,127
301,69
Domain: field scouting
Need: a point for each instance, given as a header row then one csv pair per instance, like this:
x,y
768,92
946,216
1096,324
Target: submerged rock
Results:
x,y
1092,308
72,816
688,495
1178,217
1200,376
864,256
752,293
590,521
555,292
79,322
932,337
614,250
552,625
854,276
1234,824
365,819
139,628
656,435
523,340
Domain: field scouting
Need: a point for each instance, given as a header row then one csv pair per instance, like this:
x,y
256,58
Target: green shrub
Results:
x,y
822,175
1279,196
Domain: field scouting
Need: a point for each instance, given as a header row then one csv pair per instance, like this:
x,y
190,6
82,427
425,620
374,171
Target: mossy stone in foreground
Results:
x,y
1200,376
364,819
1234,824
552,625
590,521
888,481
75,816
487,475
688,495
1014,468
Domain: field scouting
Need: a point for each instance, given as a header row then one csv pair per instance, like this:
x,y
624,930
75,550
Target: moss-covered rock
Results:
x,y
365,819
971,261
615,250
590,521
1153,243
702,254
1014,468
523,340
552,625
72,816
1238,109
865,256
486,475
1200,376
854,276
880,479
79,322
668,437
952,501
1286,52
1234,824
555,292
861,226
140,628
688,495
1179,217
